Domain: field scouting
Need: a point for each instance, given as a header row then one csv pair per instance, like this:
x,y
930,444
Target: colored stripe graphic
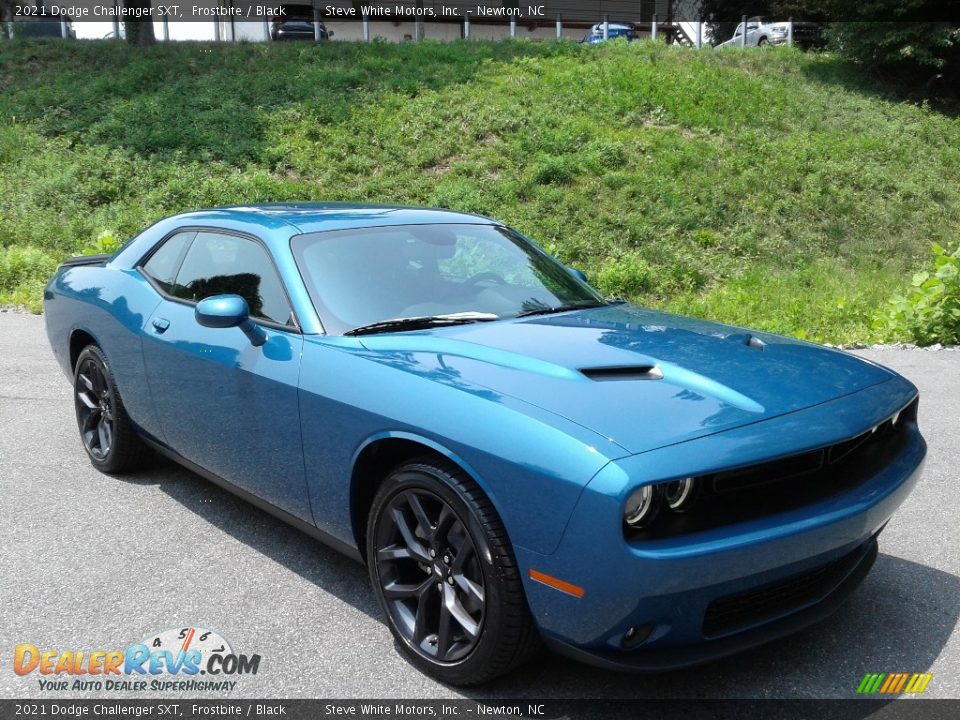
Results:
x,y
865,683
871,683
922,683
901,682
894,683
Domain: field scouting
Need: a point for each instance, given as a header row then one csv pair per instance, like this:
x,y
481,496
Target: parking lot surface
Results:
x,y
89,561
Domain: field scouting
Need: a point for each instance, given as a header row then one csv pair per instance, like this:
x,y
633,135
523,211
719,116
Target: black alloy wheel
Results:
x,y
107,434
445,575
430,575
95,408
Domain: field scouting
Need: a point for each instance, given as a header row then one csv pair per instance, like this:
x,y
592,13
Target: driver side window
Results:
x,y
218,264
194,265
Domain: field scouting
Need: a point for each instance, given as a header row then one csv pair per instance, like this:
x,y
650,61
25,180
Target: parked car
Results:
x,y
763,31
297,22
615,30
514,457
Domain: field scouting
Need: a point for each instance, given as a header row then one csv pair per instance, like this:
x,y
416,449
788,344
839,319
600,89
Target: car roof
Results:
x,y
309,217
615,26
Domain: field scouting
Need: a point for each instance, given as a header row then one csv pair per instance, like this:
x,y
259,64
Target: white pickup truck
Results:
x,y
764,31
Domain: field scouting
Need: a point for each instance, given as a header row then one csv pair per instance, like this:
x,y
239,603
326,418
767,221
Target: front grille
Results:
x,y
813,462
729,614
760,490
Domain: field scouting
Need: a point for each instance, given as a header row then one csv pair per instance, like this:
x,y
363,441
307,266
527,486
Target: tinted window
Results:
x,y
162,265
223,264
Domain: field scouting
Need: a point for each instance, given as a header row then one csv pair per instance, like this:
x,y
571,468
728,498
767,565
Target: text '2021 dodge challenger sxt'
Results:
x,y
515,458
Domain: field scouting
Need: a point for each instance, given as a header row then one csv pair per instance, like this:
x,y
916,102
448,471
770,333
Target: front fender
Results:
x,y
532,464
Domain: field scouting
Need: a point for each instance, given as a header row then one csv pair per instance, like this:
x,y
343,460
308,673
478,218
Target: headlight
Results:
x,y
679,494
642,506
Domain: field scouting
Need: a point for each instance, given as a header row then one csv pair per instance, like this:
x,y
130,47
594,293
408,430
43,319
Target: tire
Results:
x,y
106,432
445,575
761,42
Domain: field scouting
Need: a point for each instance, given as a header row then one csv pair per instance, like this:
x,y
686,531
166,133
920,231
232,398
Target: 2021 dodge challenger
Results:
x,y
514,457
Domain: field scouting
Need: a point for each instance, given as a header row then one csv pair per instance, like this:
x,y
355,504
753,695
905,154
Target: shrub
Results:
x,y
24,270
106,243
626,277
930,312
555,171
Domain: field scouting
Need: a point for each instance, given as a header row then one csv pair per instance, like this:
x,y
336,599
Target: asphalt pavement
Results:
x,y
89,561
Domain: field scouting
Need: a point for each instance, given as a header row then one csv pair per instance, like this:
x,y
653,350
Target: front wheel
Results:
x,y
445,575
107,434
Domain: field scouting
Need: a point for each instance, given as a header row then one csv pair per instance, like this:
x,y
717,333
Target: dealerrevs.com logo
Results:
x,y
188,659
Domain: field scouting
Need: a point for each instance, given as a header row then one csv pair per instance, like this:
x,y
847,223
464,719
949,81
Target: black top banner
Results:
x,y
577,11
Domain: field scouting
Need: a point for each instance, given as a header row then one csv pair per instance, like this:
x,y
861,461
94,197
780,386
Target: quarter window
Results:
x,y
163,264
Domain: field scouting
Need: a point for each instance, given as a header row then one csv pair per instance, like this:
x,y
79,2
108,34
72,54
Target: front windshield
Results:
x,y
363,276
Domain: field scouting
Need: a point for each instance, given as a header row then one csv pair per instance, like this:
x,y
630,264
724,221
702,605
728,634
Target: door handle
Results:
x,y
160,325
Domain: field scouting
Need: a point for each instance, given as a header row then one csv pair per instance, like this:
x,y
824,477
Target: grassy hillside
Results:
x,y
770,189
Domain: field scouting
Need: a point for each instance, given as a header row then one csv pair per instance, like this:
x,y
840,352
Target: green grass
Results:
x,y
770,189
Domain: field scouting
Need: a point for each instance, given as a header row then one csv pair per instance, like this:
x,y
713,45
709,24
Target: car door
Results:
x,y
223,403
737,38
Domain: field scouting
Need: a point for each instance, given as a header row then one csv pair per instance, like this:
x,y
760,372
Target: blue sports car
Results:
x,y
516,459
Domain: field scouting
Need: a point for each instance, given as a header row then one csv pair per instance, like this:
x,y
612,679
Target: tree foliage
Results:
x,y
913,42
925,54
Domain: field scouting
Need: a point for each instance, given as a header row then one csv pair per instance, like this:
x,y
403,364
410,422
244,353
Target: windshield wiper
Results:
x,y
547,310
425,321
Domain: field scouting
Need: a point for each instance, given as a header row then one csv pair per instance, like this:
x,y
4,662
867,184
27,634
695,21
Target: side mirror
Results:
x,y
578,274
226,311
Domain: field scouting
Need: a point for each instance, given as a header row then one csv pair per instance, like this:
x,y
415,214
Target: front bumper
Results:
x,y
651,657
709,594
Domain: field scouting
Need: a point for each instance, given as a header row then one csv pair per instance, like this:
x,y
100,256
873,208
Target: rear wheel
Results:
x,y
107,434
445,575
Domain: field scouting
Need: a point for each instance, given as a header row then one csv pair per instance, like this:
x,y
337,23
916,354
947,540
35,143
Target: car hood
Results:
x,y
640,378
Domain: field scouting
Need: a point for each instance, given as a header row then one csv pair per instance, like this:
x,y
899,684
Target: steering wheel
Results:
x,y
485,277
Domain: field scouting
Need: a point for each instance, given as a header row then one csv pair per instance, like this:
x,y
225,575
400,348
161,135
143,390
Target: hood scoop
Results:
x,y
635,372
751,341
